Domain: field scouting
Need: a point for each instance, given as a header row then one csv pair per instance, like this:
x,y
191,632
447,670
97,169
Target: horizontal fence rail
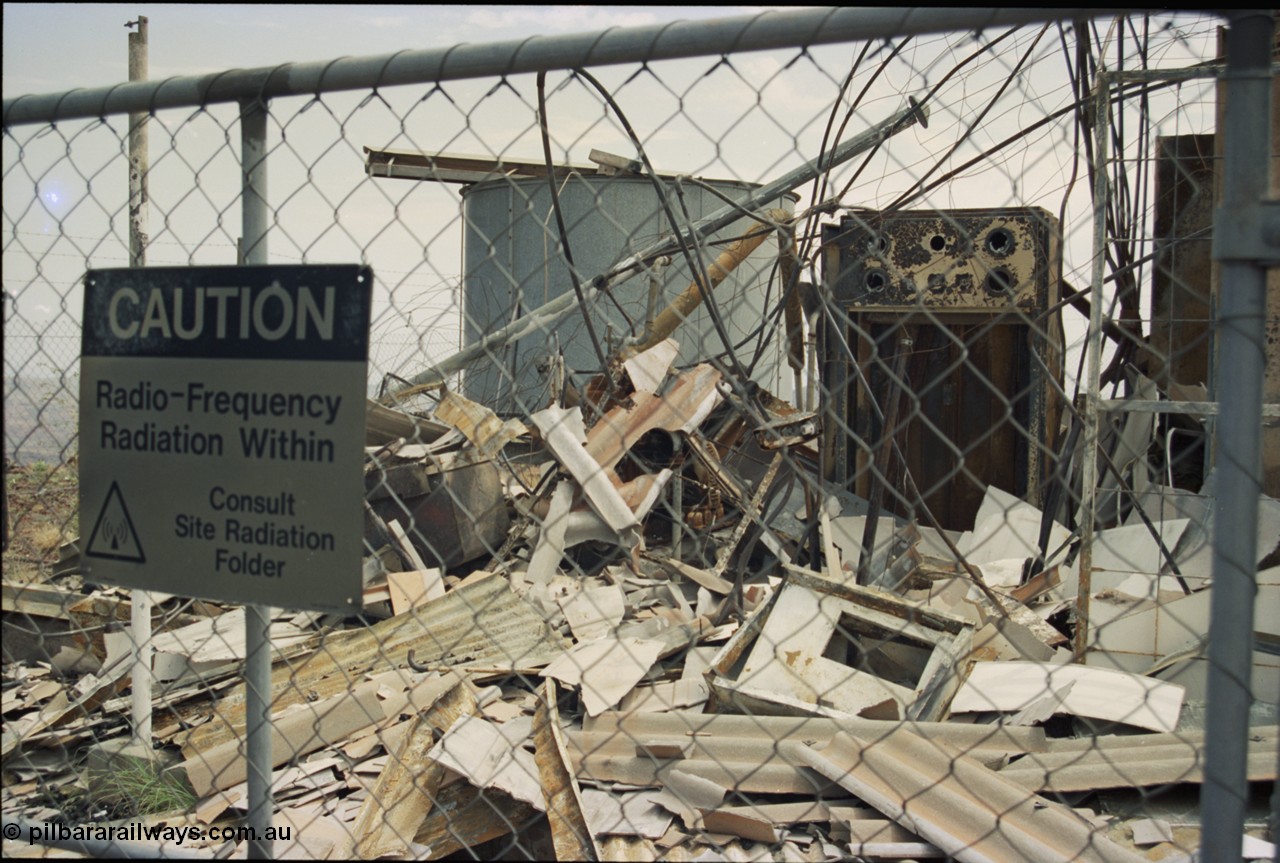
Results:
x,y
817,434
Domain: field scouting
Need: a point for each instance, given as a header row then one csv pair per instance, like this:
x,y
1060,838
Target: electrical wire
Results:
x,y
1009,79
694,265
564,234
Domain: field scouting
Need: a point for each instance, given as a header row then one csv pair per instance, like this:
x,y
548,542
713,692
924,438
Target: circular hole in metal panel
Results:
x,y
1000,242
999,281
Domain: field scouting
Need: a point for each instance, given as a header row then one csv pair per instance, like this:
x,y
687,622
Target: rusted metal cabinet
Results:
x,y
972,297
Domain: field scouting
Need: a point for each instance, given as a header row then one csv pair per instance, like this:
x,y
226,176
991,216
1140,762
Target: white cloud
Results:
x,y
557,18
387,22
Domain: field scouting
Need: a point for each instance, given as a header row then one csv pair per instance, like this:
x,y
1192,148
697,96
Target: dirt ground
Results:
x,y
41,513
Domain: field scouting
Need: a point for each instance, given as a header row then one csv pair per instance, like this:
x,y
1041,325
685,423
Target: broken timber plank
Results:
x,y
749,515
957,804
465,816
407,787
569,832
88,693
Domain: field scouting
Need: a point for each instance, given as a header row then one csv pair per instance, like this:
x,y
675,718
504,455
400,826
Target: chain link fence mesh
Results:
x,y
697,525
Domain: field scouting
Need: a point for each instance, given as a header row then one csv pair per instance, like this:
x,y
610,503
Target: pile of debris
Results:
x,y
636,629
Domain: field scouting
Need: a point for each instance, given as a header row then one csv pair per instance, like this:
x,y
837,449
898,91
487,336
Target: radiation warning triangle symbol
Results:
x,y
113,535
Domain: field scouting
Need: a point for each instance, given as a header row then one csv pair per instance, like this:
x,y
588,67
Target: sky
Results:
x,y
748,120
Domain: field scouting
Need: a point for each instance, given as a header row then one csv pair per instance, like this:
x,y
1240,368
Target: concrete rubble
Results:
x,y
606,630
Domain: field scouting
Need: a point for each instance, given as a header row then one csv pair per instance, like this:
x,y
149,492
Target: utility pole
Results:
x,y
138,166
138,161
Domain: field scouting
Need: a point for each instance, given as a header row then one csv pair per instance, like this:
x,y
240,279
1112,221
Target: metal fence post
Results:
x,y
257,674
1089,470
1241,356
139,162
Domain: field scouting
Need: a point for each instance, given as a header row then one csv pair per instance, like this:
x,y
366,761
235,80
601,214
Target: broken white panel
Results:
x,y
583,525
606,669
847,532
687,795
209,643
631,813
1253,848
1162,503
655,484
1151,831
1195,551
1004,639
1043,708
787,658
1128,454
1096,693
1172,633
545,562
1008,527
932,544
479,751
649,369
662,697
78,660
1005,573
595,611
565,435
414,588
1132,548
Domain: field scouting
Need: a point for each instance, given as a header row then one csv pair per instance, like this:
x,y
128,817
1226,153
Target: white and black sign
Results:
x,y
222,414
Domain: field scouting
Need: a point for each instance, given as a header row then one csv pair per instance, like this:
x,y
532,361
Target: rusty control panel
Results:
x,y
970,296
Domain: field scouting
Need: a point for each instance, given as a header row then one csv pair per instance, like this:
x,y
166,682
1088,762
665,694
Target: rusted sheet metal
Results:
x,y
479,626
569,832
749,516
451,516
482,427
956,803
682,407
962,260
980,289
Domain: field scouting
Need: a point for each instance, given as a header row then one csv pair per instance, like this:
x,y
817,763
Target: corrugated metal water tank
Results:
x,y
512,265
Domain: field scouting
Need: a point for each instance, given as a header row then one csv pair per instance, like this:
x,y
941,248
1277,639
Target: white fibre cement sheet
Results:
x,y
1097,693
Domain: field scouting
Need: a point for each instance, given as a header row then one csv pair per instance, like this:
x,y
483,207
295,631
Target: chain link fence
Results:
x,y
795,437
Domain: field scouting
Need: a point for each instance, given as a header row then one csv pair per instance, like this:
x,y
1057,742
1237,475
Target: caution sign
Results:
x,y
113,536
222,414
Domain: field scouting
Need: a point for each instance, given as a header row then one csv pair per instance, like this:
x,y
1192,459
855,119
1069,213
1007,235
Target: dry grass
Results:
x,y
42,512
